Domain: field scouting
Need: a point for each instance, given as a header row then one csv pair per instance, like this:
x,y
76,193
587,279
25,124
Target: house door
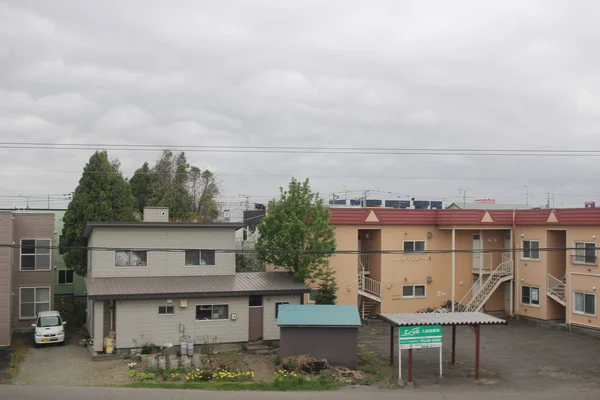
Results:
x,y
476,249
255,317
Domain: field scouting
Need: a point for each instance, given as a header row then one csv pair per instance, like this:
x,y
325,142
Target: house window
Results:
x,y
65,277
277,304
131,258
214,312
35,254
585,303
255,301
412,291
196,258
61,243
166,310
33,300
531,250
585,253
413,246
530,295
312,296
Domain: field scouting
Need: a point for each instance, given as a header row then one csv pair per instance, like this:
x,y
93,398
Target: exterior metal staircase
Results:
x,y
369,289
487,284
555,289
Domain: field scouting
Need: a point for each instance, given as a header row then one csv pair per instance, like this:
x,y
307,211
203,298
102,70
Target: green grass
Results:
x,y
378,370
317,385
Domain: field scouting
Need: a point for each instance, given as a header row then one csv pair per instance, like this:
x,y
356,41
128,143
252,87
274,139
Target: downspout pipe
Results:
x,y
516,264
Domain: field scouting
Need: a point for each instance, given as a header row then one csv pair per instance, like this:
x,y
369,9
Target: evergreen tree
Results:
x,y
169,187
327,285
103,194
205,192
141,182
295,234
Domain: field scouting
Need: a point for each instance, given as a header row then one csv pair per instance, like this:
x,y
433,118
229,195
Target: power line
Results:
x,y
304,150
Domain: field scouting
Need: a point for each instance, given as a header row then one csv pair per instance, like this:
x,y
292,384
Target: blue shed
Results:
x,y
322,331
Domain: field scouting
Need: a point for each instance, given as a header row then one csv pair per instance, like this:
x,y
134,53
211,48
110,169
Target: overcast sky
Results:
x,y
391,74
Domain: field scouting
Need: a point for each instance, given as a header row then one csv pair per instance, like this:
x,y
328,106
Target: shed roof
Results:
x,y
455,318
193,286
318,315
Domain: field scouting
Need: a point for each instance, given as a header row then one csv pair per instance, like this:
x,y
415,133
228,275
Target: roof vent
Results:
x,y
156,214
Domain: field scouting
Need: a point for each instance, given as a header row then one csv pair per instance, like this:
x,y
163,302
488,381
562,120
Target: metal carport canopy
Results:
x,y
456,318
473,319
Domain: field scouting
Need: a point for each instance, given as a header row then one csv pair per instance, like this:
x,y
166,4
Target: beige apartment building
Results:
x,y
538,263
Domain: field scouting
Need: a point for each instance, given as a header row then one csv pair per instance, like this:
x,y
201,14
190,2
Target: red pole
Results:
x,y
477,351
392,345
410,365
453,360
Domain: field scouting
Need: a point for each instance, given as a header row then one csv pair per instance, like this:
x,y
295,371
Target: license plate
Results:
x,y
45,340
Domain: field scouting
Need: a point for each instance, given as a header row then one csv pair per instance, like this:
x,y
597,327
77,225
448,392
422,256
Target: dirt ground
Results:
x,y
262,365
516,357
69,365
5,356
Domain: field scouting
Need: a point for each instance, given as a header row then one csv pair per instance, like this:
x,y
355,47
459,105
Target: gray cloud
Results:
x,y
438,74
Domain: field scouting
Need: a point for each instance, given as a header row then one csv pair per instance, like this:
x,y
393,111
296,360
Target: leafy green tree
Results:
x,y
327,285
103,194
141,183
295,234
169,187
205,192
249,263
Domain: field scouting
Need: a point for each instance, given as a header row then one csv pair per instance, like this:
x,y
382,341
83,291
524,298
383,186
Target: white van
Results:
x,y
49,328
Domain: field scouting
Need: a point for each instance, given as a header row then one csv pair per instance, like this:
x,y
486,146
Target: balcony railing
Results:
x,y
369,285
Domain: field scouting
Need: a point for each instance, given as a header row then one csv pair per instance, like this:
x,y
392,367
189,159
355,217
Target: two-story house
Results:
x,y
26,270
155,280
539,263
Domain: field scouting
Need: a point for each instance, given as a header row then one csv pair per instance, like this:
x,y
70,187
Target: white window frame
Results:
x,y
523,250
414,242
530,296
277,304
50,262
166,313
212,305
130,265
583,312
584,255
316,291
414,291
200,258
65,271
34,299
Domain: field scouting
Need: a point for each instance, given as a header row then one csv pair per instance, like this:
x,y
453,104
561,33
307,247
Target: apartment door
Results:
x,y
255,317
476,249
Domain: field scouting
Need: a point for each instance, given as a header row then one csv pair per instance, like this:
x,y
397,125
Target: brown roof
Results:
x,y
87,229
388,216
194,286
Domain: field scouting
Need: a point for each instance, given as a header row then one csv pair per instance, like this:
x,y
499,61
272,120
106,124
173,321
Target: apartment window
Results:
x,y
585,303
585,253
131,258
196,258
277,304
33,300
412,291
413,246
531,250
166,310
35,254
530,295
65,277
212,312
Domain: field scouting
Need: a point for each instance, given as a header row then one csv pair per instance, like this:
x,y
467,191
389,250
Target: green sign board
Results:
x,y
420,337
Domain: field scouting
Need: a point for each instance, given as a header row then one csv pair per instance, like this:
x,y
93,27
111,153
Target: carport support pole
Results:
x,y
477,351
453,359
410,365
392,345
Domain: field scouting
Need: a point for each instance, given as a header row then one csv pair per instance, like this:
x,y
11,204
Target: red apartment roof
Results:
x,y
389,216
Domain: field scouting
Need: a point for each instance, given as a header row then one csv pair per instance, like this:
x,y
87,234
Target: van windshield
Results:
x,y
44,322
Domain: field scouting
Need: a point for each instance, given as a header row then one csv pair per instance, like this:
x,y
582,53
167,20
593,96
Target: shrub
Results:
x,y
277,360
221,375
149,348
144,376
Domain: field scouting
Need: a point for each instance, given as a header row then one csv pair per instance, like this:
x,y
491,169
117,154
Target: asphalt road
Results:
x,y
93,393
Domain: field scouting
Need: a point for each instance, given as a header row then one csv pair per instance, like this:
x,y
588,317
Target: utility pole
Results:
x,y
366,193
48,201
553,203
464,196
345,195
247,202
527,195
548,200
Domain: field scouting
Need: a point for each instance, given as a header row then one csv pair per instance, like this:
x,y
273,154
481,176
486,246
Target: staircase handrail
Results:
x,y
468,303
552,283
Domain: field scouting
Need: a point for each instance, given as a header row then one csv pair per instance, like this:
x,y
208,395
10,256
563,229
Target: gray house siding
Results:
x,y
270,328
161,263
339,346
31,226
5,279
139,320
